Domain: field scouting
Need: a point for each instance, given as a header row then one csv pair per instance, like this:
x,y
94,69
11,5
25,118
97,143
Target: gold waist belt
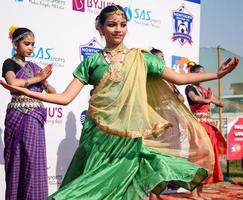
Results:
x,y
203,117
24,102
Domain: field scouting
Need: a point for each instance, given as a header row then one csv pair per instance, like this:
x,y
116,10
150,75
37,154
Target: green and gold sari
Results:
x,y
112,160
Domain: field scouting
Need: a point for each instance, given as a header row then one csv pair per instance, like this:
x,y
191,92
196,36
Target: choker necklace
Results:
x,y
19,61
111,61
114,51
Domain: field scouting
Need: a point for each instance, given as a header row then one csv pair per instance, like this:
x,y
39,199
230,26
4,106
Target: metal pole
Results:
x,y
227,161
219,89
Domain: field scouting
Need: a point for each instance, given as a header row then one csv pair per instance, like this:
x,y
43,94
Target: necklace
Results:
x,y
115,66
109,61
26,66
19,61
114,51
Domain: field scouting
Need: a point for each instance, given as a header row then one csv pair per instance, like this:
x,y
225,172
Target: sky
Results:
x,y
221,25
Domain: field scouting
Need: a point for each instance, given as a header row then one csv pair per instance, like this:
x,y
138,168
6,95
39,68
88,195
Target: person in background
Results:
x,y
200,99
160,54
24,134
111,161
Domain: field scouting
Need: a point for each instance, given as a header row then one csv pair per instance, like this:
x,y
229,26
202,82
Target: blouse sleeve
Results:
x,y
155,65
9,65
83,70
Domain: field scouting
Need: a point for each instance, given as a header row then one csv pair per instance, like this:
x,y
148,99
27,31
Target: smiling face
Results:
x,y
25,47
114,29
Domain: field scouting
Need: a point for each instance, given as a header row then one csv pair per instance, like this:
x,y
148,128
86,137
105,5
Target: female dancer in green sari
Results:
x,y
112,161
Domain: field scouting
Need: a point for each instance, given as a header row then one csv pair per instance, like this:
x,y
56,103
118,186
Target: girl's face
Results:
x,y
160,55
114,29
25,47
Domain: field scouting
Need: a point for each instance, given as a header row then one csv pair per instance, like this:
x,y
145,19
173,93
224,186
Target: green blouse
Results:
x,y
92,69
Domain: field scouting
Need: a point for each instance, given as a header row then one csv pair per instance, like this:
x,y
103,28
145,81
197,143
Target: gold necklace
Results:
x,y
114,51
115,67
111,61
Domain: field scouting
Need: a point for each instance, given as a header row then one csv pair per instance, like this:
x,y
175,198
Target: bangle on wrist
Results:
x,y
26,83
46,86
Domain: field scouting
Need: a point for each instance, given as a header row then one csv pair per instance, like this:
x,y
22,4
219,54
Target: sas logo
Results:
x,y
182,24
137,13
44,55
90,48
40,53
179,64
142,17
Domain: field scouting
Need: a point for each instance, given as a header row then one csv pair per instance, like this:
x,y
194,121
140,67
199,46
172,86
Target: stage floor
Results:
x,y
219,191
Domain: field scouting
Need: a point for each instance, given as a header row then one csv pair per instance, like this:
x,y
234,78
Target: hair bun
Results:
x,y
11,31
190,65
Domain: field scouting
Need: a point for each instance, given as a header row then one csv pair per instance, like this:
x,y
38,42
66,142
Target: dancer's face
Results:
x,y
114,29
160,55
25,47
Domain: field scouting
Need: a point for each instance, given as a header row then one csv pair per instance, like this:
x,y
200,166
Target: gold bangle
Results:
x,y
26,83
46,87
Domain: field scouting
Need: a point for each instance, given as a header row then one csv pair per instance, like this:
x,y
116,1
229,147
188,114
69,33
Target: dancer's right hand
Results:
x,y
44,73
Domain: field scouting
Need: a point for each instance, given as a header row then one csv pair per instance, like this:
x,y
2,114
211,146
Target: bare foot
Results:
x,y
196,193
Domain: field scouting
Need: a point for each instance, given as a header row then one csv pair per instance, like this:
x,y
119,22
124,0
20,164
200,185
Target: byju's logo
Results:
x,y
182,24
90,48
79,5
54,115
92,6
179,64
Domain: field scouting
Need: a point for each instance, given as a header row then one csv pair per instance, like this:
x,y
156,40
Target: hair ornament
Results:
x,y
190,64
11,31
119,12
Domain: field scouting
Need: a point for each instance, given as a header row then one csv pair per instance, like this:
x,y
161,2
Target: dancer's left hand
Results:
x,y
228,66
13,89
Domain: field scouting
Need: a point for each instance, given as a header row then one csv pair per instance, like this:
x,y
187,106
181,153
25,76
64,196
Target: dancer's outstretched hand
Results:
x,y
14,89
228,66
